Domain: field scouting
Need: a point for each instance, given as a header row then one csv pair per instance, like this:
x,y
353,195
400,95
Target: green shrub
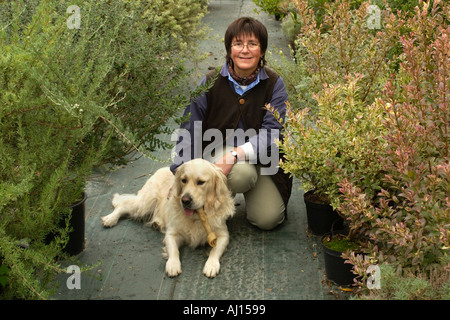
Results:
x,y
334,127
433,285
343,141
72,98
271,7
54,89
343,44
151,86
180,19
410,217
377,142
406,6
291,26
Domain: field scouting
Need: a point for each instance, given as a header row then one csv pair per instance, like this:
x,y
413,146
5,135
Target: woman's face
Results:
x,y
245,59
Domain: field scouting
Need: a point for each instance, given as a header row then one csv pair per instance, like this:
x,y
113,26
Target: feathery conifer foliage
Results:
x,y
80,86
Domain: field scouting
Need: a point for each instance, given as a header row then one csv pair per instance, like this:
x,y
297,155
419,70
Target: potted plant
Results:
x,y
54,90
77,223
334,244
60,116
341,136
291,24
408,219
320,214
271,7
72,223
340,140
336,133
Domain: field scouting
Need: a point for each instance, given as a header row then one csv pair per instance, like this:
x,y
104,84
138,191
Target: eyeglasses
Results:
x,y
250,45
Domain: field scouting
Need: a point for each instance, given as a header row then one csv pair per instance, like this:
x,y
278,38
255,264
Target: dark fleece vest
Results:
x,y
225,107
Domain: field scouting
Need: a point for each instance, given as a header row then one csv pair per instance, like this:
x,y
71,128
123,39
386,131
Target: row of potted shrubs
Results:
x,y
367,130
372,147
81,86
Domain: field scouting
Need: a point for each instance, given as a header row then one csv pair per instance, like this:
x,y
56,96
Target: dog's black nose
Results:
x,y
186,200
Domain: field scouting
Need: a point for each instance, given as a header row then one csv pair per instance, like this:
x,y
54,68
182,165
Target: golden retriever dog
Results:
x,y
168,202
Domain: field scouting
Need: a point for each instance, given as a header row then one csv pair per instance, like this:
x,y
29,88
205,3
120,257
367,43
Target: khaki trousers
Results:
x,y
264,204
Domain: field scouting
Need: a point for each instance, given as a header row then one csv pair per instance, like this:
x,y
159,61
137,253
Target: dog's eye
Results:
x,y
184,180
200,182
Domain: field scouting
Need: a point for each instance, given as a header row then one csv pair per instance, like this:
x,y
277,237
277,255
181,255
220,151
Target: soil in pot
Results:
x,y
335,267
321,216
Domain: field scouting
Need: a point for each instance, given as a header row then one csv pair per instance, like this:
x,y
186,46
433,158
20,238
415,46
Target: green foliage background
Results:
x,y
367,127
75,98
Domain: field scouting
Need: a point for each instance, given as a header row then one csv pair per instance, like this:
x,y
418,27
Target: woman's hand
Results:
x,y
228,160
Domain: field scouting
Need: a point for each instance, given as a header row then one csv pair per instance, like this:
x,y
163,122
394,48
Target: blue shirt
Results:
x,y
238,88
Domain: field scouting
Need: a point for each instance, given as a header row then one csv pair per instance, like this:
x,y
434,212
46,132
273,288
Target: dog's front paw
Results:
x,y
110,220
173,267
212,267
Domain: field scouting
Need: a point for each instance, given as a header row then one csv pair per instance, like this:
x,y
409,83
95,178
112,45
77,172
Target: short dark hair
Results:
x,y
246,26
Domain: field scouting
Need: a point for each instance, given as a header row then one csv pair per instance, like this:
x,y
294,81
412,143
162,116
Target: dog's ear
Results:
x,y
176,188
219,194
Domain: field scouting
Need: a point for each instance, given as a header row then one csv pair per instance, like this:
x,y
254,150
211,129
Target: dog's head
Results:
x,y
199,183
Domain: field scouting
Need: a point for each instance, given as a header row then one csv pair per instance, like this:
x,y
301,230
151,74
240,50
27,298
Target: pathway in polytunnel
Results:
x,y
285,263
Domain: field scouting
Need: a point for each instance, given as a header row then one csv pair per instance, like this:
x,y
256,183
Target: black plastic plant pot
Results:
x,y
335,267
75,243
77,222
320,216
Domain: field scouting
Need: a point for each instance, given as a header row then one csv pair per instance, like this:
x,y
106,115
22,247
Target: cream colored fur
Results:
x,y
159,204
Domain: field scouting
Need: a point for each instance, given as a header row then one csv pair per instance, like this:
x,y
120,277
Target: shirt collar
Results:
x,y
262,73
